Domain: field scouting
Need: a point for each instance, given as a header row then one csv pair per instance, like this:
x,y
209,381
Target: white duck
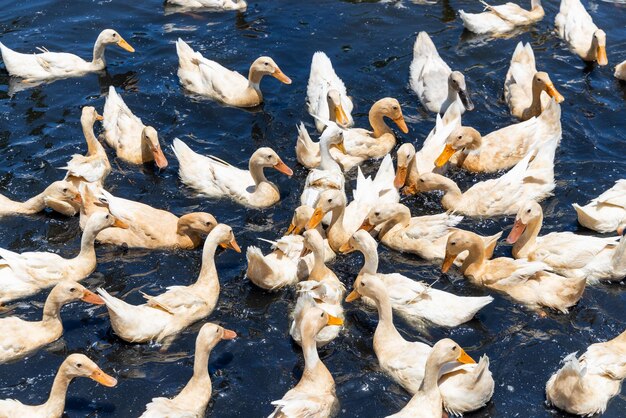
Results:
x,y
415,301
322,289
21,338
216,178
524,87
463,387
436,85
604,213
60,196
189,5
582,36
75,365
585,385
314,395
502,18
171,312
128,136
93,167
569,254
194,398
620,71
208,78
327,98
27,273
50,65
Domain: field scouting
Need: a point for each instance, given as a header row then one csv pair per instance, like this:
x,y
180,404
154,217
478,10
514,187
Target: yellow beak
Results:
x,y
341,148
120,224
333,320
340,115
553,92
400,177
103,378
465,358
601,56
99,117
401,124
354,295
232,244
346,248
293,229
316,219
445,155
125,45
447,262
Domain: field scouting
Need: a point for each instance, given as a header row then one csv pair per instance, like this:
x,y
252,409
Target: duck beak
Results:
x,y
554,93
159,158
315,220
282,167
293,229
621,230
465,99
232,245
445,155
346,248
340,115
229,335
366,225
401,124
341,148
103,378
409,190
601,56
91,297
99,117
333,320
400,177
118,223
354,295
280,76
125,45
465,358
447,262
516,231
78,199
305,252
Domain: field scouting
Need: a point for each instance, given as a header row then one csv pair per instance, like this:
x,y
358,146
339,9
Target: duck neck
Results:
x,y
55,404
385,317
319,270
201,363
377,121
452,194
336,231
186,235
327,162
34,204
254,82
535,106
98,60
431,375
52,311
93,146
87,246
309,350
208,271
256,171
526,242
475,258
401,218
370,265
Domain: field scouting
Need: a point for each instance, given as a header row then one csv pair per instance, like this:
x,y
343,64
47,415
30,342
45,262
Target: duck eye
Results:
x,y
330,200
454,348
79,365
422,180
459,137
65,190
322,315
377,213
266,63
208,223
528,211
73,289
453,243
269,156
395,108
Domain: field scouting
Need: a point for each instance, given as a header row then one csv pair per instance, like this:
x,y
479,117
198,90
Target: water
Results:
x,y
370,45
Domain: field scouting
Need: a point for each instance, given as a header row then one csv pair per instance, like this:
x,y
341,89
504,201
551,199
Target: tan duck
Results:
x,y
585,385
93,167
463,387
314,395
75,365
171,312
568,254
427,401
27,273
524,86
194,398
21,338
359,144
501,149
208,78
604,213
416,302
527,282
60,196
148,227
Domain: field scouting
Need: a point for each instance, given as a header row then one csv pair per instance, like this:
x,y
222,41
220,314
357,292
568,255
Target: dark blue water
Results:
x,y
370,44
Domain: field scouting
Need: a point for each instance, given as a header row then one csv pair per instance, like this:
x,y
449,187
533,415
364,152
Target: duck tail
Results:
x,y
257,269
113,304
424,46
490,244
186,55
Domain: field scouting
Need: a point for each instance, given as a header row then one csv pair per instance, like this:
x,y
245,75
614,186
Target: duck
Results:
x,y
93,167
327,98
502,18
503,195
501,149
74,365
620,71
346,219
524,86
220,5
427,401
436,85
216,178
285,265
25,274
530,283
415,302
52,65
463,387
584,385
582,36
568,254
133,141
604,213
322,289
359,144
162,317
411,163
210,79
314,395
148,227
424,236
22,338
61,196
194,398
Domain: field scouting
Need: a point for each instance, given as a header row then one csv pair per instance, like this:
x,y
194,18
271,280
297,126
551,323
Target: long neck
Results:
x,y
208,272
309,349
402,218
201,362
452,193
535,106
55,404
93,146
34,204
431,375
370,266
336,231
319,269
385,316
376,118
526,241
256,171
98,53
52,311
87,245
476,256
327,162
254,81
452,95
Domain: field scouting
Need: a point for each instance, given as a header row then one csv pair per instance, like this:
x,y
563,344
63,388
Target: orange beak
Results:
x,y
293,229
553,92
78,199
99,117
346,248
445,155
229,335
159,157
601,56
366,225
340,115
333,320
120,224
447,262
316,219
400,177
125,45
401,124
305,252
409,190
280,76
516,232
282,167
465,358
232,244
103,378
354,295
90,297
